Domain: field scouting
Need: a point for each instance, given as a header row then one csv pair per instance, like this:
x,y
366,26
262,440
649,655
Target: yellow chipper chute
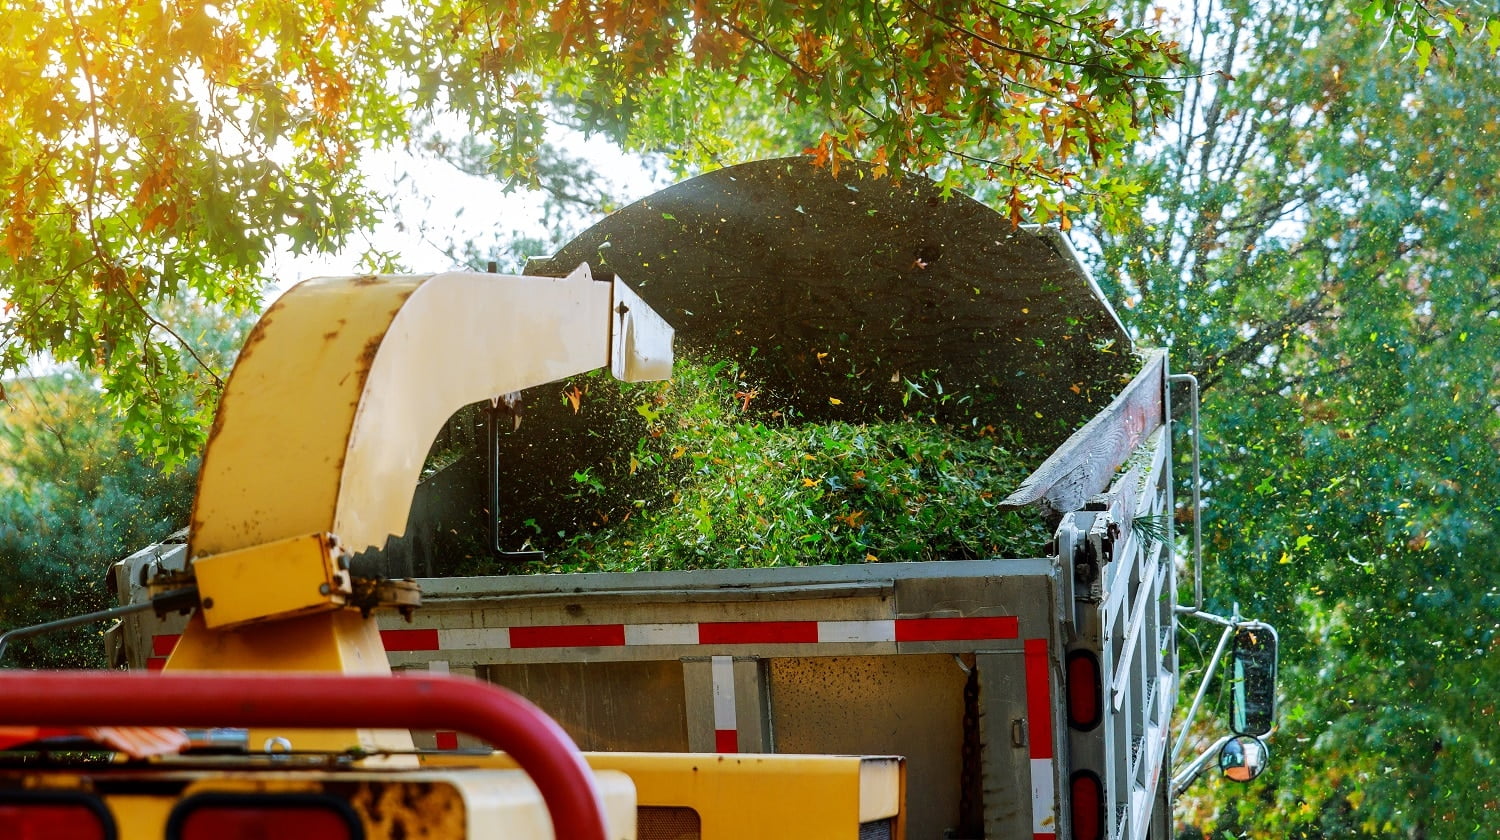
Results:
x,y
320,437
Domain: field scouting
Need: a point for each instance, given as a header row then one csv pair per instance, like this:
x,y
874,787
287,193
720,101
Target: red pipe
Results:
x,y
503,718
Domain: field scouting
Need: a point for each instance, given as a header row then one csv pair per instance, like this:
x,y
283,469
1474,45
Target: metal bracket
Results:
x,y
492,422
281,579
1095,552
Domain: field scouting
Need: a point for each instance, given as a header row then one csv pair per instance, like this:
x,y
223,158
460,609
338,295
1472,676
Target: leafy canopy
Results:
x,y
149,148
1319,250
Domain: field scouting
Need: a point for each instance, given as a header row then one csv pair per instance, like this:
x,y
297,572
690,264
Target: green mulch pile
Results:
x,y
722,477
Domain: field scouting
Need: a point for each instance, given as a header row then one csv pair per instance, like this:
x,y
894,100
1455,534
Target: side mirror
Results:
x,y
1253,683
1243,757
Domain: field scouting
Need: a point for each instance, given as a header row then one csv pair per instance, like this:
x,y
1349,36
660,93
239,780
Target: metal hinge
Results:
x,y
1090,557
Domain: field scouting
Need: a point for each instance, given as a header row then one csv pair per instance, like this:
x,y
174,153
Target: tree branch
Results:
x,y
156,322
1212,369
1035,56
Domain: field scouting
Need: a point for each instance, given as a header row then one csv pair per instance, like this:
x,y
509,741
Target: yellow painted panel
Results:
x,y
788,797
296,576
460,338
342,641
275,454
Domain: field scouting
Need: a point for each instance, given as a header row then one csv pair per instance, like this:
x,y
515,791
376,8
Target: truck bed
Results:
x,y
966,667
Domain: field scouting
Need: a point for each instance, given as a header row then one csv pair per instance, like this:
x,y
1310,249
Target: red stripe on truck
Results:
x,y
757,632
1038,699
954,629
404,640
568,635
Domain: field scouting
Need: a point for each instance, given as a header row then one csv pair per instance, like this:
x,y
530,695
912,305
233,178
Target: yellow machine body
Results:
x,y
282,579
698,796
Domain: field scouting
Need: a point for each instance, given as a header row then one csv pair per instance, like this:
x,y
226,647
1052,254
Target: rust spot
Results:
x,y
366,358
256,336
367,355
258,333
330,335
366,280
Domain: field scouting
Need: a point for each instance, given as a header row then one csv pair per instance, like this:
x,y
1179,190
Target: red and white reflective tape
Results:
x,y
726,722
1039,739
444,739
161,648
889,631
704,633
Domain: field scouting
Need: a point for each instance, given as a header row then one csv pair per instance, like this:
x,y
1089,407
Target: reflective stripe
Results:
x,y
885,631
856,631
1043,814
1038,699
568,635
404,640
951,629
726,725
482,638
1039,739
444,739
661,634
757,632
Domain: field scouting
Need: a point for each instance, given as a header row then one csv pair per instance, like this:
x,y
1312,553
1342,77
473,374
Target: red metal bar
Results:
x,y
504,719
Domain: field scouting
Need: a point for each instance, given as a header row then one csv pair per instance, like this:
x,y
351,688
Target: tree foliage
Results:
x,y
75,496
150,147
78,492
1320,252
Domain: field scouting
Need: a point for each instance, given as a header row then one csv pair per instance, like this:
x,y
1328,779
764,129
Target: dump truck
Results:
x,y
1026,692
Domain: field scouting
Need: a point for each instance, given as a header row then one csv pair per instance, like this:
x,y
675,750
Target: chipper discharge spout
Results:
x,y
321,432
